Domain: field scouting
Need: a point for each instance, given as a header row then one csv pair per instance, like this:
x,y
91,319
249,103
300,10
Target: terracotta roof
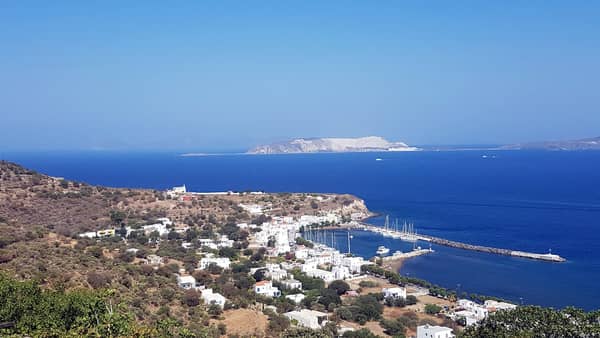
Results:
x,y
263,282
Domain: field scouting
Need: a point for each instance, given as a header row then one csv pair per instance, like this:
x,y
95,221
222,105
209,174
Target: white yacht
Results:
x,y
382,250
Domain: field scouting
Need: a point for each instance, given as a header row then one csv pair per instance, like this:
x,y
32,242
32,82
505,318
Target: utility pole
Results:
x,y
349,242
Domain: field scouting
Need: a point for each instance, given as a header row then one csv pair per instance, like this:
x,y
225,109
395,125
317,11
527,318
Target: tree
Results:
x,y
260,275
534,321
411,300
362,333
98,279
95,251
191,298
302,332
339,286
214,310
228,252
278,323
329,296
368,307
432,309
117,217
393,327
172,235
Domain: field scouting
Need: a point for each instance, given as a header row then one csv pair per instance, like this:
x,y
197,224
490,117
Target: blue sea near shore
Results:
x,y
522,200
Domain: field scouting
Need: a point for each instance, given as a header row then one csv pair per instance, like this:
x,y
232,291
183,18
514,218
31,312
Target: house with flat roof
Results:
x,y
222,262
186,282
291,284
308,318
296,298
432,331
266,288
394,293
211,297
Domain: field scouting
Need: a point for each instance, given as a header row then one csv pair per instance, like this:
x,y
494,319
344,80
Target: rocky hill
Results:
x,y
582,144
331,145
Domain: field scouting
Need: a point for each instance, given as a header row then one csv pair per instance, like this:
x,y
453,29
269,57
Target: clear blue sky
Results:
x,y
218,75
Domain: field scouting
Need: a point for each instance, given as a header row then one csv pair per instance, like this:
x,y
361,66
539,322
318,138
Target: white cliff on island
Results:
x,y
335,145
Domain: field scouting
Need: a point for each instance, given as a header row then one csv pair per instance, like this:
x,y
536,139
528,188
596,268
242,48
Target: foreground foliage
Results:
x,y
533,321
27,309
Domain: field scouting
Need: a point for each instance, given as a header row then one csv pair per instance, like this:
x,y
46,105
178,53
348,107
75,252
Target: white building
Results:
x,y
211,297
176,191
493,306
160,227
154,259
471,311
341,272
301,252
291,284
186,282
207,242
222,262
224,242
296,298
394,293
99,233
308,318
354,263
91,234
279,234
431,331
479,311
266,288
325,275
252,209
275,272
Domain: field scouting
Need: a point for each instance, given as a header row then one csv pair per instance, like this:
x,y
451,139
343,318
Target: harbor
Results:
x,y
408,233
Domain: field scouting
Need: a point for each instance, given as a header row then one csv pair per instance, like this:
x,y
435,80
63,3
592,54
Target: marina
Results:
x,y
408,234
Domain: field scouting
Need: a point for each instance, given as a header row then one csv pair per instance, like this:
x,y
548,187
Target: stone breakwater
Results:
x,y
544,257
459,245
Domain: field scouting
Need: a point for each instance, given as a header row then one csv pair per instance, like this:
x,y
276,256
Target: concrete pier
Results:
x,y
459,245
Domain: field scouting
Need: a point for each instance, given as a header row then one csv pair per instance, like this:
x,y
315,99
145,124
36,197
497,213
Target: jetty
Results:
x,y
413,236
404,255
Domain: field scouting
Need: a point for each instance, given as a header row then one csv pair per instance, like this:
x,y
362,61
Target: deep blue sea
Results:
x,y
521,200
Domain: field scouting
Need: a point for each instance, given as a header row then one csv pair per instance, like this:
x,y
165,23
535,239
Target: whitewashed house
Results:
x,y
186,282
479,311
154,260
493,306
207,242
275,272
394,293
354,263
222,262
325,275
301,252
432,331
224,242
176,191
211,297
308,318
291,284
340,272
266,288
296,298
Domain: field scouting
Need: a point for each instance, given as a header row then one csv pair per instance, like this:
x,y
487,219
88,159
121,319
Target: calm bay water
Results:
x,y
531,201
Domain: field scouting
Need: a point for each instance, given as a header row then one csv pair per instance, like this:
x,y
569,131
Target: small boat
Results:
x,y
382,250
378,159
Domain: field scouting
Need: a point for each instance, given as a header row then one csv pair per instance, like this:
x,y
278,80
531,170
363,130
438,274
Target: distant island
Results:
x,y
581,144
332,145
